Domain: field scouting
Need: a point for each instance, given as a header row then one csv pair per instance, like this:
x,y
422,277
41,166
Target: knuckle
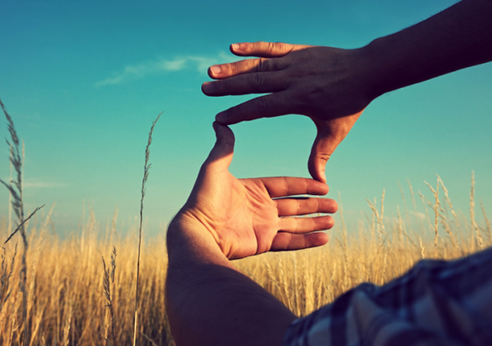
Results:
x,y
323,156
233,68
257,79
262,65
280,46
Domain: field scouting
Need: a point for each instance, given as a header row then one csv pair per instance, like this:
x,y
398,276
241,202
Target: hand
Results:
x,y
329,85
245,216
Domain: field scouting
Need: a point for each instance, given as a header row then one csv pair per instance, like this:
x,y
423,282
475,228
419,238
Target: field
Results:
x,y
82,290
75,299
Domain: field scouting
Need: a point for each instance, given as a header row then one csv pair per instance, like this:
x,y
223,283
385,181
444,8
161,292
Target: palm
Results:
x,y
244,215
249,217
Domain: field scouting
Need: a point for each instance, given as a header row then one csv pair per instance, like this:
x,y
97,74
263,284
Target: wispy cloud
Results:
x,y
154,67
38,184
418,215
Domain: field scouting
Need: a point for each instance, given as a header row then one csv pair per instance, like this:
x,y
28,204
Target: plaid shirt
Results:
x,y
435,303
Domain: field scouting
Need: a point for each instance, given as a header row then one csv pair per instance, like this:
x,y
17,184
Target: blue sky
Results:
x,y
83,81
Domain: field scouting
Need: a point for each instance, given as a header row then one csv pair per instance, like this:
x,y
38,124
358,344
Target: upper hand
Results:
x,y
244,216
329,85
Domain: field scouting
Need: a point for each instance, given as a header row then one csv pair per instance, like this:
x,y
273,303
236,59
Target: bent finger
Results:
x,y
305,206
287,241
301,225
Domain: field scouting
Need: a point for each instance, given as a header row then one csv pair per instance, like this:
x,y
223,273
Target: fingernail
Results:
x,y
208,86
235,46
215,70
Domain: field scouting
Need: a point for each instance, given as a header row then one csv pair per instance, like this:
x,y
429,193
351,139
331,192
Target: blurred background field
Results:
x,y
71,292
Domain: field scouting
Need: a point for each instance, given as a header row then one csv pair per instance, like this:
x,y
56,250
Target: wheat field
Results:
x,y
88,288
76,299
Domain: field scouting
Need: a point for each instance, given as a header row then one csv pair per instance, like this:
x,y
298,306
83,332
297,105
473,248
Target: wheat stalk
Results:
x,y
147,166
107,292
15,189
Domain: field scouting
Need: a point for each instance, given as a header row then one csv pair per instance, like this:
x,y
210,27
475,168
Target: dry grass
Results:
x,y
70,297
73,299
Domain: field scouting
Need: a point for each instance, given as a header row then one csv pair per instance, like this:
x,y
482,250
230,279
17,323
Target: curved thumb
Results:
x,y
221,155
321,151
330,134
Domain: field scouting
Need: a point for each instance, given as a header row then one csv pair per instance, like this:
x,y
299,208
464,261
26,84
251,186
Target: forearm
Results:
x,y
210,303
456,38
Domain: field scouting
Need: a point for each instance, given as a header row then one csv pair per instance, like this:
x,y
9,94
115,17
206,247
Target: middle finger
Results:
x,y
251,83
245,66
305,206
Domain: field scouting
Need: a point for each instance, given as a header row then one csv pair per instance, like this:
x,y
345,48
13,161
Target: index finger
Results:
x,y
290,186
272,105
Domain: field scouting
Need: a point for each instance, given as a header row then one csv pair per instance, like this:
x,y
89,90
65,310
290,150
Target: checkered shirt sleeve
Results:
x,y
435,303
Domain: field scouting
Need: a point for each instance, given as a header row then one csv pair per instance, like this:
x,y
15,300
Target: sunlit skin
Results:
x,y
208,301
301,82
228,218
251,216
333,86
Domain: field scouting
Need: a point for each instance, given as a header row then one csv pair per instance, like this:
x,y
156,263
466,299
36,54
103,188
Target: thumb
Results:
x,y
321,151
330,134
221,155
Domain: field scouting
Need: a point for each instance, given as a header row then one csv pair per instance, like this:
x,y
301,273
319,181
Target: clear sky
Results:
x,y
83,81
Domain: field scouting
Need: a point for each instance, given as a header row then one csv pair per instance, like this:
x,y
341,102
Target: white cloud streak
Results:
x,y
155,67
37,184
418,215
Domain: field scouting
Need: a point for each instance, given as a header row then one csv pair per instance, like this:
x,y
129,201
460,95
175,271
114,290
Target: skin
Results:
x,y
207,300
333,86
227,218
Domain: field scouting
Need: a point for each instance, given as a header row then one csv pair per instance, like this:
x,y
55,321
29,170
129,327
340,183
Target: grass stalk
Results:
x,y
147,166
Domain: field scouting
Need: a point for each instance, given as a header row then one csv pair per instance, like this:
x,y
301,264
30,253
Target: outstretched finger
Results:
x,y
301,225
290,186
251,83
287,241
267,106
262,49
305,206
246,66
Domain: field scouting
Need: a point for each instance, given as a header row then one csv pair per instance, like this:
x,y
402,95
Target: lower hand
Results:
x,y
329,85
246,217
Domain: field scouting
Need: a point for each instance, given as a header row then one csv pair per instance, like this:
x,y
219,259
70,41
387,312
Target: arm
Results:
x,y
333,86
207,300
458,37
209,303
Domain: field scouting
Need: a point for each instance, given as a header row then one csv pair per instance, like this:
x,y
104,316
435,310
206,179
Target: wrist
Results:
x,y
190,241
375,72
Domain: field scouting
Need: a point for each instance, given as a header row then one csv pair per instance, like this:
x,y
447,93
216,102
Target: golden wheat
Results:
x,y
71,292
69,297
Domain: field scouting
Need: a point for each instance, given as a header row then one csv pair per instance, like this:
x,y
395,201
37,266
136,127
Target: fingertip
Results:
x,y
214,71
223,133
320,239
320,173
237,48
221,118
317,164
207,87
317,173
335,206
